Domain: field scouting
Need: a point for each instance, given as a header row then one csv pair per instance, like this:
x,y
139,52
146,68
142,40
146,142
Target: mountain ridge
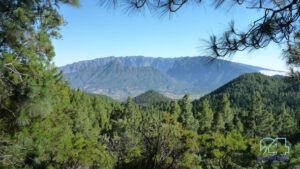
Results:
x,y
120,77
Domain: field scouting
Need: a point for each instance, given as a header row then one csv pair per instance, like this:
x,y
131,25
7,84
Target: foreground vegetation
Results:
x,y
72,129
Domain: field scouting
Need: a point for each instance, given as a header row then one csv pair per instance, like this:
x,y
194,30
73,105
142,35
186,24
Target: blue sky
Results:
x,y
93,31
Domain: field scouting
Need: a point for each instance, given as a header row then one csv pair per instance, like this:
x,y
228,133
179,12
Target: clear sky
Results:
x,y
93,31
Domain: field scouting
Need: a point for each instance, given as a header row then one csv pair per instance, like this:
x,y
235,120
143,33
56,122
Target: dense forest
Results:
x,y
46,124
72,129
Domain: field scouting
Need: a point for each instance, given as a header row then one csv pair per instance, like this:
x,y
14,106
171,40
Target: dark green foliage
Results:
x,y
238,125
222,150
168,145
205,116
174,108
259,120
257,92
225,110
219,122
90,131
150,97
186,116
44,124
286,122
294,162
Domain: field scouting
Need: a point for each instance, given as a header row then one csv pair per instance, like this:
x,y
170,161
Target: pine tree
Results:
x,y
238,125
259,121
225,110
205,116
186,116
174,108
294,162
286,123
255,110
26,70
265,124
131,111
101,113
219,123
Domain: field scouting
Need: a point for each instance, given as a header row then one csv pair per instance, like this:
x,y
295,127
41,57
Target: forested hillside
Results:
x,y
150,97
44,124
91,131
274,93
273,100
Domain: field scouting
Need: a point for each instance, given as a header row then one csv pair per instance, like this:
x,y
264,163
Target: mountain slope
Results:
x,y
120,77
274,90
205,74
119,81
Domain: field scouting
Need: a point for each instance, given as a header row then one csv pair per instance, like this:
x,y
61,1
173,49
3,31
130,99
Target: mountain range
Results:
x,y
120,77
